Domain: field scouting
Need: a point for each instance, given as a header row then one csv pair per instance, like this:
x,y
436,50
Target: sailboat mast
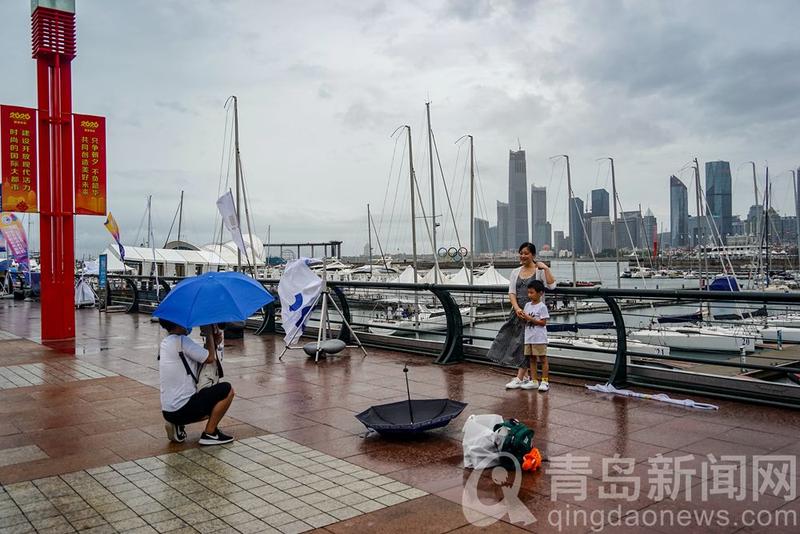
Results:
x,y
571,233
614,193
766,218
755,184
471,228
433,194
700,232
238,174
796,215
180,216
413,205
149,222
369,239
471,211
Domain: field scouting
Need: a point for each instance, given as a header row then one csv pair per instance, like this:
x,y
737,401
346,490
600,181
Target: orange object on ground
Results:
x,y
532,460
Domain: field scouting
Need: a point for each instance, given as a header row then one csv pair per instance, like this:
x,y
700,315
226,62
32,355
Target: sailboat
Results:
x,y
699,338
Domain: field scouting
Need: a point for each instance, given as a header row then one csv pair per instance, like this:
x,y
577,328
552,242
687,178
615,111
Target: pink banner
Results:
x,y
16,240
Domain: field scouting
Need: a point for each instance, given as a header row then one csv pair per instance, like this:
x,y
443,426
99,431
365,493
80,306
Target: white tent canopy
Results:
x,y
491,278
431,276
228,251
406,277
460,278
113,263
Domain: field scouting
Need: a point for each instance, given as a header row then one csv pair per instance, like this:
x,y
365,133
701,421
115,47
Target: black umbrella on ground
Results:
x,y
411,416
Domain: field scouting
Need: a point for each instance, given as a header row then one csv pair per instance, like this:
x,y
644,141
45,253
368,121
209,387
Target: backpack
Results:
x,y
517,441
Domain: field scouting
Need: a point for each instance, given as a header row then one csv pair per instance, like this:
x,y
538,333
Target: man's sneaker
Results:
x,y
516,383
217,438
529,384
544,386
176,433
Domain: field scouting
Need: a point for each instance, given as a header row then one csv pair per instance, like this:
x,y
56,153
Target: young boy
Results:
x,y
536,315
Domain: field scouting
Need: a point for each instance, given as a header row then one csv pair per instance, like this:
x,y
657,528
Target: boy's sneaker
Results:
x,y
529,384
544,386
176,433
217,438
516,383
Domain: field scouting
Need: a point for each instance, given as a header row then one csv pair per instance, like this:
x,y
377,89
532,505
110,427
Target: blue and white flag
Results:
x,y
298,289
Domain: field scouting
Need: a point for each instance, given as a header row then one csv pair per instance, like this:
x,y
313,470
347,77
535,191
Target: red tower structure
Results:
x,y
53,35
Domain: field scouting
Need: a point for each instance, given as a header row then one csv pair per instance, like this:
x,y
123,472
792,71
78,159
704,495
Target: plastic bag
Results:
x,y
481,443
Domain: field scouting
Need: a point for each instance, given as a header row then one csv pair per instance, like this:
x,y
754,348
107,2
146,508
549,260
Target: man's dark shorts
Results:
x,y
199,405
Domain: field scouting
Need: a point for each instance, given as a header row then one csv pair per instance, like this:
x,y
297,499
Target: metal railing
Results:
x,y
736,378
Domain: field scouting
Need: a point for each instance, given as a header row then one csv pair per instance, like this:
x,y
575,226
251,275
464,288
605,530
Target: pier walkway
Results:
x,y
82,447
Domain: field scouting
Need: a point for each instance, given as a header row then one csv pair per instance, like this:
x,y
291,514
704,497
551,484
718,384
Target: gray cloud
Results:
x,y
321,85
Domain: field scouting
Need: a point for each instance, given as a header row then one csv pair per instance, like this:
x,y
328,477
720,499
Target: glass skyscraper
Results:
x,y
517,199
540,228
576,233
599,203
718,195
678,212
502,227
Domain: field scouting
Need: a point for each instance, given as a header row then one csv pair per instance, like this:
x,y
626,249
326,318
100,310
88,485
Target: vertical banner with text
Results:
x,y
90,164
102,273
18,158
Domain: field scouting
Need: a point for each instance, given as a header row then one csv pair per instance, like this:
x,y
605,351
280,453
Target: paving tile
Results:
x,y
16,455
295,527
322,462
215,525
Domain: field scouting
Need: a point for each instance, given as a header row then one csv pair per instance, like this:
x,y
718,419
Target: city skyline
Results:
x,y
678,229
319,97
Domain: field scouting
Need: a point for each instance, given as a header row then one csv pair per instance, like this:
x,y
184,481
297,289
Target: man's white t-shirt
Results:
x,y
176,384
536,335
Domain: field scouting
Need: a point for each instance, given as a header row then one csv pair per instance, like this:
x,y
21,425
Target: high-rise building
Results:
x,y
599,203
517,199
628,228
718,195
493,239
601,234
503,233
700,231
576,234
649,229
560,242
678,212
587,232
754,223
481,236
541,230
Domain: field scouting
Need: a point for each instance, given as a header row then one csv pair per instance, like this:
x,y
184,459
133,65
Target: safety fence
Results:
x,y
741,345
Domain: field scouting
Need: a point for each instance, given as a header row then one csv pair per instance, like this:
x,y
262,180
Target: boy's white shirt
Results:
x,y
536,335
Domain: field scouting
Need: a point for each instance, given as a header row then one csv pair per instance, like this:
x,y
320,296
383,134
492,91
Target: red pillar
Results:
x,y
53,32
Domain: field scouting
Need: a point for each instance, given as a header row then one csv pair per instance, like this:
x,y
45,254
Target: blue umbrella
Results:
x,y
213,298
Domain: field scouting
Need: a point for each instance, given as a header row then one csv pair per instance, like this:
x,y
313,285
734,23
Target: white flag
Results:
x,y
228,211
298,290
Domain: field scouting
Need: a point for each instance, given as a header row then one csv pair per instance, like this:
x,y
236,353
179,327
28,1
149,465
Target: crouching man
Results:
x,y
181,403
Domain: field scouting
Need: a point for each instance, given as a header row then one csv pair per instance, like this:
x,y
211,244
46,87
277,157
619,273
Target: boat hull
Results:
x,y
695,340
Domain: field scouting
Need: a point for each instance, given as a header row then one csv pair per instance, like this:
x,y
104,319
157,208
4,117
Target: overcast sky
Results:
x,y
323,84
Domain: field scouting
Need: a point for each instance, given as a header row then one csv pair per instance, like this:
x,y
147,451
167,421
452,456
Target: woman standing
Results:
x,y
508,347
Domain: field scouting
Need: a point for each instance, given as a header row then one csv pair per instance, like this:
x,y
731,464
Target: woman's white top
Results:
x,y
538,275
